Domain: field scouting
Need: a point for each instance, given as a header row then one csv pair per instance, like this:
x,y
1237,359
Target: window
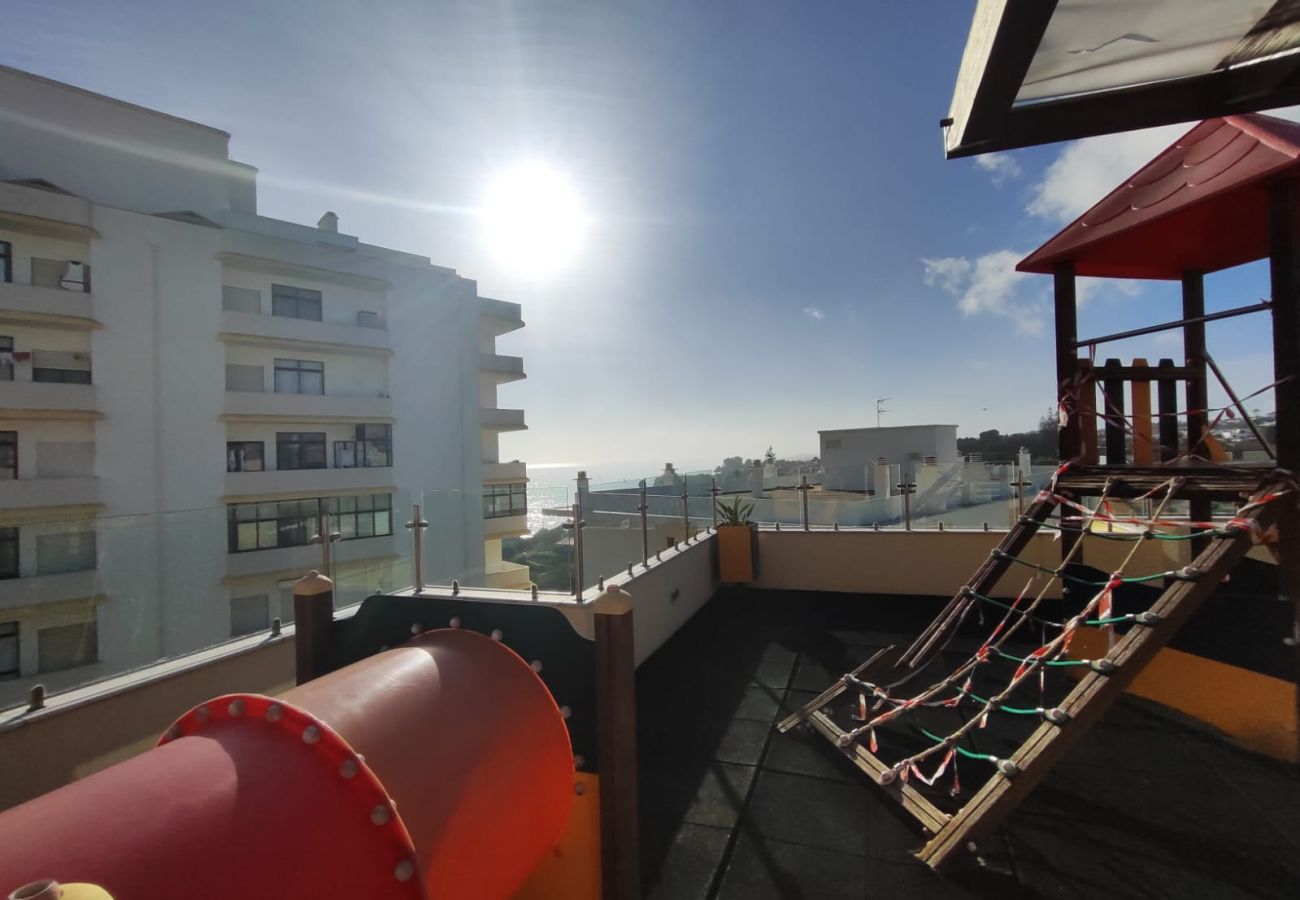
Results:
x,y
367,515
6,358
294,302
373,448
299,376
8,455
244,456
65,551
833,443
9,659
6,262
8,552
66,367
368,319
67,646
300,450
505,499
244,378
249,614
238,299
293,523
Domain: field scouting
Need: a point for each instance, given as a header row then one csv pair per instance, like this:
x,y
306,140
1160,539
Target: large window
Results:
x,y
65,551
8,455
373,448
9,658
293,523
505,500
299,376
67,646
6,261
295,302
244,456
300,450
6,357
366,515
67,367
8,551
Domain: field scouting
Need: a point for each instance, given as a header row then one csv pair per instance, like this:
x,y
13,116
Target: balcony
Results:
x,y
47,306
47,213
39,589
507,576
502,369
505,471
505,526
493,419
72,400
28,492
501,316
307,482
283,332
300,407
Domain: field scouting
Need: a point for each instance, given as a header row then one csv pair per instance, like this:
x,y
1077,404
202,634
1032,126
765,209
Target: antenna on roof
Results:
x,y
880,409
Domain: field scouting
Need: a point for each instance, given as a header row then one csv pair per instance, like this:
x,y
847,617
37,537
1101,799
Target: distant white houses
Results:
x,y
861,459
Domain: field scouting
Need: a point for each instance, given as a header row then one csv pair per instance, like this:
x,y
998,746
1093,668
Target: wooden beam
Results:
x,y
620,862
1144,447
1284,276
1087,397
1222,482
1113,412
1167,399
1067,358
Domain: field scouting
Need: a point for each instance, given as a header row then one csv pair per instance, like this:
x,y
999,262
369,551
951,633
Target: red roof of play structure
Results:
x,y
1201,204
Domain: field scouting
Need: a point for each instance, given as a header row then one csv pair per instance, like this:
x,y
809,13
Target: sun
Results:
x,y
533,220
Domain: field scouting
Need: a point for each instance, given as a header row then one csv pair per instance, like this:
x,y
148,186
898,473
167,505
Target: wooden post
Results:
x,y
1144,451
1087,413
1067,358
1113,409
620,861
313,614
1167,400
1199,508
1284,276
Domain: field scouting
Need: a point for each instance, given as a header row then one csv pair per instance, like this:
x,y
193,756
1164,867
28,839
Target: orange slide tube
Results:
x,y
439,769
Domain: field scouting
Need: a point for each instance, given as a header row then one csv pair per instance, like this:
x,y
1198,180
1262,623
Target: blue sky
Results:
x,y
775,239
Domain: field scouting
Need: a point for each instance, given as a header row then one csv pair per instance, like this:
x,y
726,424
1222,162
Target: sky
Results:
x,y
773,237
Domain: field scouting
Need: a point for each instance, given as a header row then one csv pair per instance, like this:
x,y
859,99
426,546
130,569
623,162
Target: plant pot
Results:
x,y
737,553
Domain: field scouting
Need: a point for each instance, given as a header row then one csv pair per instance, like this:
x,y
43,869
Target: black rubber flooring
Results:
x,y
1148,806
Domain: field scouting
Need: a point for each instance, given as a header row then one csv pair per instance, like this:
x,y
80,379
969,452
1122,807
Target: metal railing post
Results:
x,y
577,548
645,532
906,487
326,539
416,526
803,501
713,500
686,510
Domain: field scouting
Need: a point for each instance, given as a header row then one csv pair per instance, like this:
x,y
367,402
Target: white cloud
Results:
x,y
1089,169
813,312
988,285
948,273
1001,167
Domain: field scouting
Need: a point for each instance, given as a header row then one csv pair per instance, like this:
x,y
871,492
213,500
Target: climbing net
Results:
x,y
877,706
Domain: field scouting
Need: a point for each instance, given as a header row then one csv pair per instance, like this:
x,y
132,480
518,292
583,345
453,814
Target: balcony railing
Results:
x,y
36,302
496,419
245,327
502,368
29,492
323,406
37,395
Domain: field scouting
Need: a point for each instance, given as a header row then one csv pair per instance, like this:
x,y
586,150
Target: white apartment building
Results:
x,y
853,458
185,386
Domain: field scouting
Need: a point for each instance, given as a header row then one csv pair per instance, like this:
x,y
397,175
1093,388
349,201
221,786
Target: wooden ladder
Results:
x,y
1016,776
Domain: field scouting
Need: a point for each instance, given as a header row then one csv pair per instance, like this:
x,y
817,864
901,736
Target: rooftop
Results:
x,y
1148,804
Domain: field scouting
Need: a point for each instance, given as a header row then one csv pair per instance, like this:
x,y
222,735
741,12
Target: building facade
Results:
x,y
851,456
186,387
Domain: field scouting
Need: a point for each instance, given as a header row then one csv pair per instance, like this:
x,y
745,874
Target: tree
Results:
x,y
769,456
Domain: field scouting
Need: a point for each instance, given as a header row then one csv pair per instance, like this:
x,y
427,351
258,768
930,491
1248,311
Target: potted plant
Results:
x,y
737,542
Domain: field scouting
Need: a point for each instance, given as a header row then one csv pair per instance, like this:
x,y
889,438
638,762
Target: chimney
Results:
x,y
329,222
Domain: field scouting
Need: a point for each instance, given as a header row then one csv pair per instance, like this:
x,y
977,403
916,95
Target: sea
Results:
x,y
552,485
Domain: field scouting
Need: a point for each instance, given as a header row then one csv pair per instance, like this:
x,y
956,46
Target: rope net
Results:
x,y
929,731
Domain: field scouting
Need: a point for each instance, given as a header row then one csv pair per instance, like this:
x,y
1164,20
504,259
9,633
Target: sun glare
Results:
x,y
533,220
